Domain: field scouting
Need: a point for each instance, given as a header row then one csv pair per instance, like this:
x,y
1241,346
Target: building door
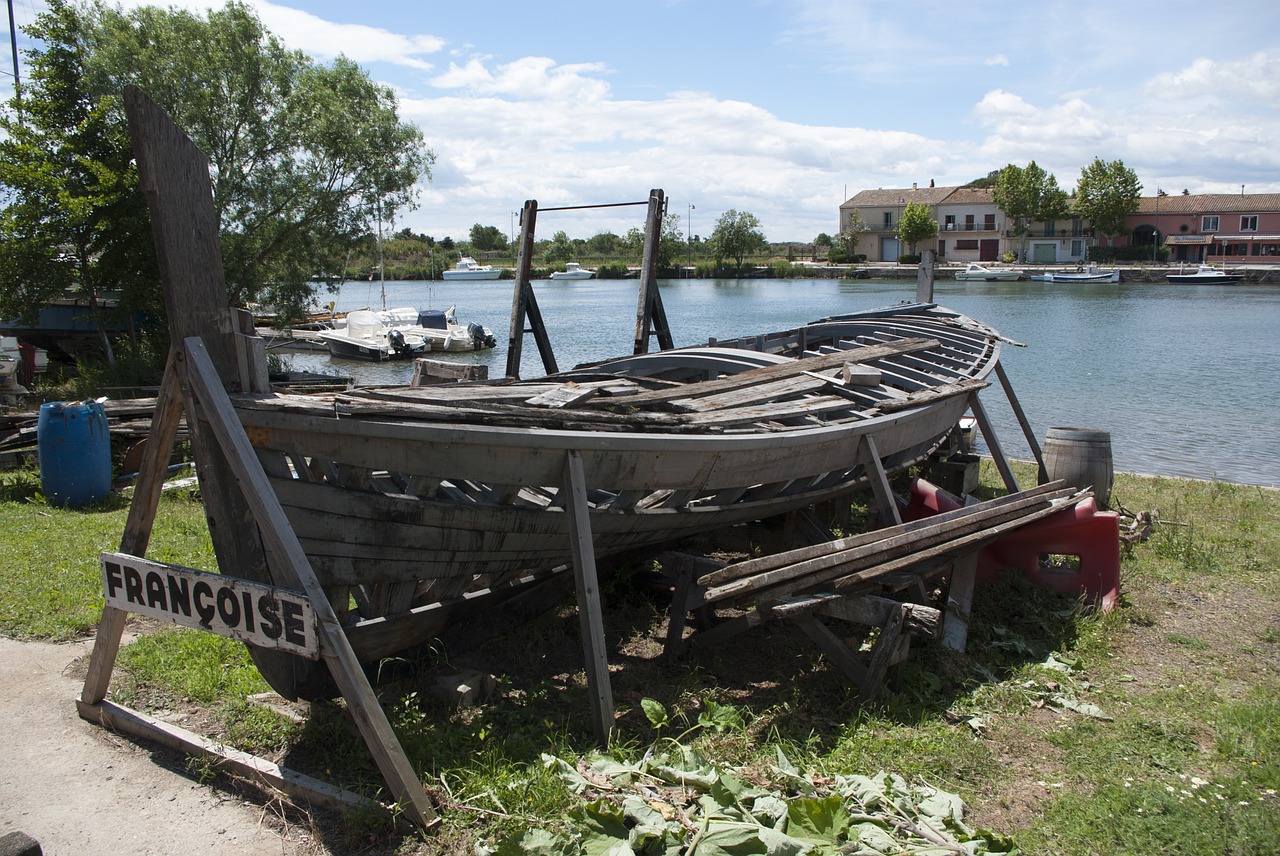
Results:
x,y
988,249
890,249
1044,253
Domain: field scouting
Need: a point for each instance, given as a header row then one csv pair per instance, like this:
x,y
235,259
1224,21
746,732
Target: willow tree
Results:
x,y
306,159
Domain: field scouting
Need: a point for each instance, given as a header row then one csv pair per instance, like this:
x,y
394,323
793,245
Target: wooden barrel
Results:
x,y
1082,457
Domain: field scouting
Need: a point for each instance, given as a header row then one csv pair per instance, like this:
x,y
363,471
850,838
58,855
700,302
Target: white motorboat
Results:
x,y
573,270
1090,274
1204,274
440,329
469,268
368,336
981,273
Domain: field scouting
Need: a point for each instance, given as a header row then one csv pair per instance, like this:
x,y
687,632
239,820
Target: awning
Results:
x,y
1188,240
1249,237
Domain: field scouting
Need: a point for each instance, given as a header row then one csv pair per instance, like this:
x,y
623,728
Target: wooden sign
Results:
x,y
260,615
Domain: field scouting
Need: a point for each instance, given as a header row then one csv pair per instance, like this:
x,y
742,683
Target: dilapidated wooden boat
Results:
x,y
415,508
405,497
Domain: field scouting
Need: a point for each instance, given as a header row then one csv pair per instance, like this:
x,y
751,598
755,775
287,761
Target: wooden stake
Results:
x,y
590,614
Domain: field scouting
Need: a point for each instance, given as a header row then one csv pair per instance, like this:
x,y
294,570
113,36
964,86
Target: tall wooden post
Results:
x,y
651,318
924,278
524,304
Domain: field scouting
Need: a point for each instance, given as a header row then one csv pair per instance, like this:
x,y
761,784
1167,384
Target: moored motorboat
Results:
x,y
440,329
1204,274
367,336
1090,274
981,273
573,270
468,268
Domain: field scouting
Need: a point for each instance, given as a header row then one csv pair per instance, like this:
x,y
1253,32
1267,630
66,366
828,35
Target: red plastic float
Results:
x,y
1074,551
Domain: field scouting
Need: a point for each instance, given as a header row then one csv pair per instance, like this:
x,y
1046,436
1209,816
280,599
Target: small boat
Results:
x,y
981,273
573,270
1090,274
368,336
468,268
440,329
1205,274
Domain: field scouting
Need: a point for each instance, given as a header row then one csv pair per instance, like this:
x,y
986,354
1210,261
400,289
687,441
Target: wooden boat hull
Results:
x,y
405,498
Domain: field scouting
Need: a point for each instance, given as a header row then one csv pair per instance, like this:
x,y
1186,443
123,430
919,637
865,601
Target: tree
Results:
x,y
75,218
917,224
487,238
736,236
846,247
559,248
1106,194
305,158
604,244
1029,195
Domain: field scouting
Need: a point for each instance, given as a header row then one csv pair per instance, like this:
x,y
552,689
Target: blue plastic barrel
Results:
x,y
75,452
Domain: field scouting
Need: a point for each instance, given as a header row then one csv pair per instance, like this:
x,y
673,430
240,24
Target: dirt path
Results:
x,y
77,788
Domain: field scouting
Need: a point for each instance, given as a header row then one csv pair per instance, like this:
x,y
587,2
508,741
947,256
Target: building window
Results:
x,y
1208,224
1077,249
888,219
968,222
950,223
966,245
1249,223
989,222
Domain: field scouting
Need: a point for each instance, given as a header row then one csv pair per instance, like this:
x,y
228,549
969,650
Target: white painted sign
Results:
x,y
261,615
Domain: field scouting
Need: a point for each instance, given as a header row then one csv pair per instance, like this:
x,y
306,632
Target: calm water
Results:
x,y
1185,378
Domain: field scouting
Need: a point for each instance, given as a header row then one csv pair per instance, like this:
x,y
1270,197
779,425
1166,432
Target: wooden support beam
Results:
x,y
885,653
885,503
259,770
833,648
1042,473
993,443
590,614
651,317
137,528
955,624
524,304
280,539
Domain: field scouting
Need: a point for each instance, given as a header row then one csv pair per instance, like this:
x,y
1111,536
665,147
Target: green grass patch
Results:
x,y
50,574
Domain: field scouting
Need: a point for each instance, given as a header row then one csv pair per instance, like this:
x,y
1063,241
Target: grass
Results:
x,y
1154,729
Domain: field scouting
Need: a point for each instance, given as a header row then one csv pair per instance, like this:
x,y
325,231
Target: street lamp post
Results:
x,y
1155,236
689,223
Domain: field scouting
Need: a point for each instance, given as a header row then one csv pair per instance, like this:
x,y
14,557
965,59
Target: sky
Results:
x,y
785,108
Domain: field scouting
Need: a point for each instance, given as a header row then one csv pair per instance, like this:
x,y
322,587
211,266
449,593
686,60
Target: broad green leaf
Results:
x,y
818,821
656,712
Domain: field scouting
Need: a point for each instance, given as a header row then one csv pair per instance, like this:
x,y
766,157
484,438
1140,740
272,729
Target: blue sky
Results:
x,y
785,107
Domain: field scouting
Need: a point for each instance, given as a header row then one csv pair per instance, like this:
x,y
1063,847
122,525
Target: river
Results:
x,y
1185,378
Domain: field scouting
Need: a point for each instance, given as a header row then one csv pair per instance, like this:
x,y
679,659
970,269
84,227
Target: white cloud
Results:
x,y
998,59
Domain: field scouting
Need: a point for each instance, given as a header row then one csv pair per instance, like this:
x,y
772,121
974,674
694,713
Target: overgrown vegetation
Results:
x,y
1153,729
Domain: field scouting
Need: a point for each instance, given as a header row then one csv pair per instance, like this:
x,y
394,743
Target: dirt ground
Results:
x,y
77,788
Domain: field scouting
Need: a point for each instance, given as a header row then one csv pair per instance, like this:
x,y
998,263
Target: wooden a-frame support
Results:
x,y
175,178
651,317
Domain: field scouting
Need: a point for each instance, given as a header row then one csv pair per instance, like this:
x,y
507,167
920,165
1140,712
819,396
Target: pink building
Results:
x,y
1213,227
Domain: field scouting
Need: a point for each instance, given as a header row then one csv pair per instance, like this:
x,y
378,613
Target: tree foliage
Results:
x,y
304,158
1028,195
1106,194
74,218
487,238
736,236
917,224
